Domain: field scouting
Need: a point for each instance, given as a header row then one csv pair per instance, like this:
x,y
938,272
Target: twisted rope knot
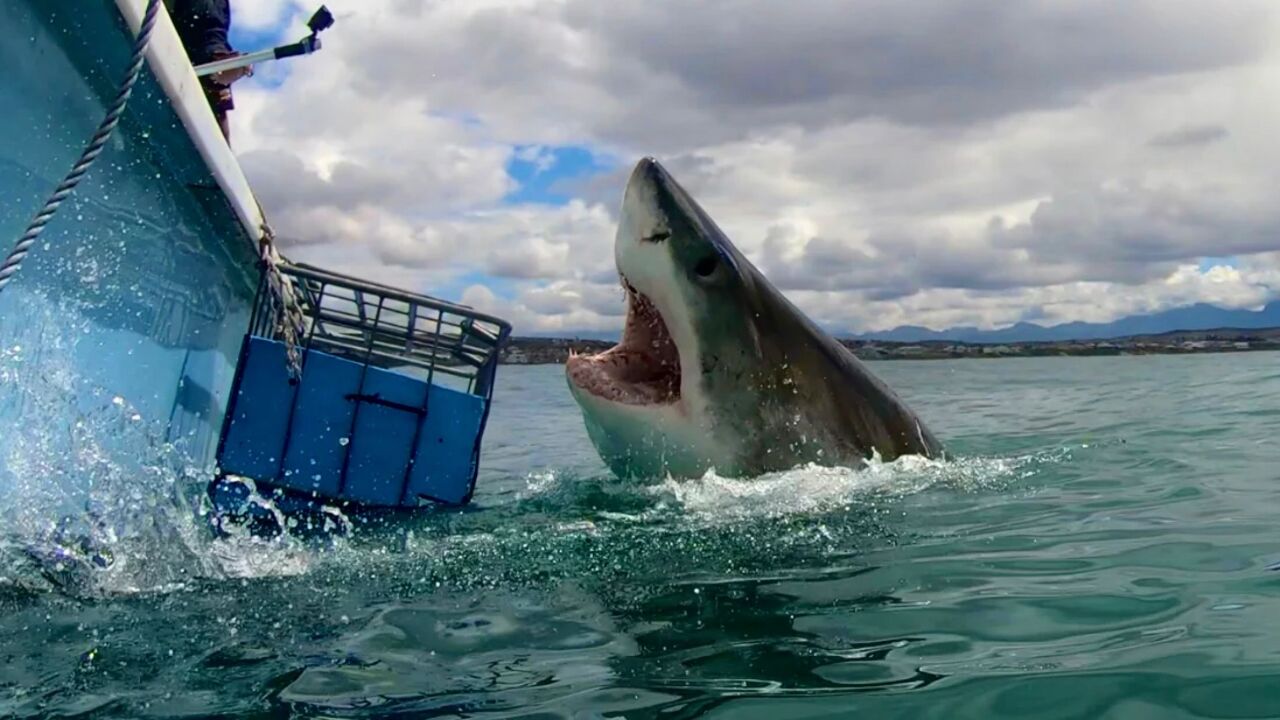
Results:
x,y
289,321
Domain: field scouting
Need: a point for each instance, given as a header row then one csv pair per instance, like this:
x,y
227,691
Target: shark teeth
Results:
x,y
642,369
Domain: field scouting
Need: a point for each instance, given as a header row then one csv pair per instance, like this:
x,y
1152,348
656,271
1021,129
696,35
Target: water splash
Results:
x,y
561,525
94,501
813,488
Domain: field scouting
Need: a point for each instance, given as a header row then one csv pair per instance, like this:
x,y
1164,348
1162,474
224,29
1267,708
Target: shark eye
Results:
x,y
706,266
658,236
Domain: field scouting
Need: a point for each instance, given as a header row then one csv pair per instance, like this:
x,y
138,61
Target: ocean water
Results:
x,y
1104,545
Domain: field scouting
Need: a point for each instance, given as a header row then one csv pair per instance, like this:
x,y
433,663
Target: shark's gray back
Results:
x,y
834,390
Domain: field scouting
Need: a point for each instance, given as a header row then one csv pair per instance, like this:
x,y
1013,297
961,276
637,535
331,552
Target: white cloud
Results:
x,y
262,14
921,163
557,307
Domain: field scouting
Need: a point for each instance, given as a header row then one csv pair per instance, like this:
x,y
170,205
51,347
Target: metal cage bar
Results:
x,y
387,327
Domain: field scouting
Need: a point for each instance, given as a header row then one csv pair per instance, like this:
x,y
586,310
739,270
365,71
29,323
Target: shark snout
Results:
x,y
642,215
647,170
644,228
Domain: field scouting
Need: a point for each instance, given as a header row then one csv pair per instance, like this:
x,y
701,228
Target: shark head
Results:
x,y
661,401
716,369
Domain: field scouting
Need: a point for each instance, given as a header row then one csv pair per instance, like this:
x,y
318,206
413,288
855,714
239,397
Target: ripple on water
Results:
x,y
469,653
1089,554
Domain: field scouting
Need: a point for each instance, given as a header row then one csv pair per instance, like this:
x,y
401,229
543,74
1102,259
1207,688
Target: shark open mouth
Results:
x,y
642,369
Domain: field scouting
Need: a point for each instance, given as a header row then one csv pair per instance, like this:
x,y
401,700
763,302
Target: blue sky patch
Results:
x,y
248,40
273,73
453,288
1209,262
541,170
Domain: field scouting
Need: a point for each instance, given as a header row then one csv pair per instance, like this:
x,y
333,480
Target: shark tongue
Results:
x,y
642,369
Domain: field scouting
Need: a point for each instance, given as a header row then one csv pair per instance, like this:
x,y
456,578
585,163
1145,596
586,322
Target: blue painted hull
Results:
x,y
119,337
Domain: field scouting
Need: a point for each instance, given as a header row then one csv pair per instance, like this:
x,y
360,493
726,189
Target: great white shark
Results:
x,y
716,369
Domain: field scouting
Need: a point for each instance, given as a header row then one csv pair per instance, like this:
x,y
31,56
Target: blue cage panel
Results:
x,y
454,420
258,415
321,421
388,415
363,434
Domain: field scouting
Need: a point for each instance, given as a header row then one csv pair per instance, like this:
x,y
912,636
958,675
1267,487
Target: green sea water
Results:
x,y
1104,545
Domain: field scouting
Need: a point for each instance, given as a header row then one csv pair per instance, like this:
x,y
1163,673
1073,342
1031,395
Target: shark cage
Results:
x,y
351,396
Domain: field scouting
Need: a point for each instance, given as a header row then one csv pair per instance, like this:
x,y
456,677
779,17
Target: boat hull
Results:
x,y
120,334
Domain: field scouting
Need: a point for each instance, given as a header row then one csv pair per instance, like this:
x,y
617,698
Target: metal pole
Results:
x,y
304,47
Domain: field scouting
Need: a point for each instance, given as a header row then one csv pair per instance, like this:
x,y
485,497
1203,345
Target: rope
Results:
x,y
12,263
289,319
290,323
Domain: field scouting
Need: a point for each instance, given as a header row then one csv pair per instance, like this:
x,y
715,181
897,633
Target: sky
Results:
x,y
975,162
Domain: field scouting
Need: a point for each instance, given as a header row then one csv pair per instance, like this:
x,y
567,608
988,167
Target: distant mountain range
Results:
x,y
1200,316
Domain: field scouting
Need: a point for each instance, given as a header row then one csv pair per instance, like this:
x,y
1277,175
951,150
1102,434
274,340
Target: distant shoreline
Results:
x,y
555,351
